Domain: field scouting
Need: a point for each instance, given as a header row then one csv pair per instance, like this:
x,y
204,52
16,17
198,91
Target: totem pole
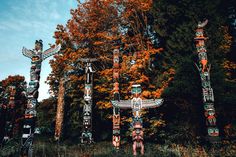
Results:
x,y
86,137
36,55
116,96
10,114
136,104
207,91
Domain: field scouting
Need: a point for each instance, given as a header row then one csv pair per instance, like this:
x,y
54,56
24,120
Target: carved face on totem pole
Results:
x,y
88,92
116,61
39,46
136,101
115,141
116,87
88,68
213,131
87,120
116,120
136,90
199,32
35,58
138,127
210,114
115,73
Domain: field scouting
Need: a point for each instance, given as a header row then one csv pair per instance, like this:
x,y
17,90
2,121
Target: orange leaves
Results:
x,y
98,43
103,105
92,31
228,39
101,89
10,80
143,5
157,123
143,79
146,4
229,67
146,94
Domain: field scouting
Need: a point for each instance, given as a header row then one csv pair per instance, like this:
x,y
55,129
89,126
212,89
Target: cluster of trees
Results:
x,y
157,50
155,39
7,113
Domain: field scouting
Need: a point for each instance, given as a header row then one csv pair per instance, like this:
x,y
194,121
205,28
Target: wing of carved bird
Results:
x,y
51,51
152,103
123,104
27,53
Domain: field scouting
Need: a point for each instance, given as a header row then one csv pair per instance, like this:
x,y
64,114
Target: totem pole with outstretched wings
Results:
x,y
37,55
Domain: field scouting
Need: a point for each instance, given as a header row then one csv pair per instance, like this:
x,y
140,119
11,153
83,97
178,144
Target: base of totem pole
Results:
x,y
27,152
86,140
213,140
214,145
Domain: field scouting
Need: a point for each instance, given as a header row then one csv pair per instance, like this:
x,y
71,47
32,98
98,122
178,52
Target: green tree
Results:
x,y
175,23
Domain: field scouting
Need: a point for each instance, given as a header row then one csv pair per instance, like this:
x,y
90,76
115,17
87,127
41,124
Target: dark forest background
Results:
x,y
170,27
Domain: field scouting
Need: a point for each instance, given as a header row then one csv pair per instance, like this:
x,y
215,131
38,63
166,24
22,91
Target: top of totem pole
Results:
x,y
136,89
202,24
39,45
38,51
116,51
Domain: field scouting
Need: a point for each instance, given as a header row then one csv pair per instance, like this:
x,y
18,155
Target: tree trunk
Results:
x,y
60,110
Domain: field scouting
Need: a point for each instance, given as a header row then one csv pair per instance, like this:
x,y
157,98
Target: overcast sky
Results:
x,y
21,23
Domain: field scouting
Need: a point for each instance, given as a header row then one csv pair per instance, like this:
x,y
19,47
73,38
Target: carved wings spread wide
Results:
x,y
152,103
27,53
51,51
148,103
124,104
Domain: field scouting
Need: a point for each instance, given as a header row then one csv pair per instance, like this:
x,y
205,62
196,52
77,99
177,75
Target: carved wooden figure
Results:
x,y
116,96
86,136
137,104
207,91
37,55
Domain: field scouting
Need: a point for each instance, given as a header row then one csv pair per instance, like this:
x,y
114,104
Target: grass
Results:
x,y
47,148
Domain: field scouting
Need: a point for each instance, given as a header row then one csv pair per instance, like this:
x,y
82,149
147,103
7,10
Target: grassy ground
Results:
x,y
44,148
104,149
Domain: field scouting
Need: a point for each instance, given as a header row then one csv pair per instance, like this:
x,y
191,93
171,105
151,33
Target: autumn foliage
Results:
x,y
155,39
95,29
20,101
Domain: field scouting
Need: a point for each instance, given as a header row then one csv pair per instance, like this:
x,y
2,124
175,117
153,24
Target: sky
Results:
x,y
21,23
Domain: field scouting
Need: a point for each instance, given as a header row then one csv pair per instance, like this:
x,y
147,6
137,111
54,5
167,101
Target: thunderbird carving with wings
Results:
x,y
38,50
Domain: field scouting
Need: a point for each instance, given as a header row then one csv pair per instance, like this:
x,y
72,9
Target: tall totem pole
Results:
x,y
207,91
136,104
86,136
116,96
37,55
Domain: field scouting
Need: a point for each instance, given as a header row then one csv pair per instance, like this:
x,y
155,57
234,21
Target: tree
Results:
x,y
16,113
175,23
95,29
